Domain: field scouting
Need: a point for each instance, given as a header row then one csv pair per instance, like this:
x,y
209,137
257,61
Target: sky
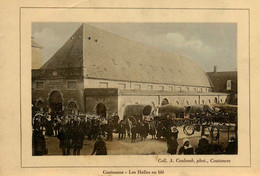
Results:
x,y
209,44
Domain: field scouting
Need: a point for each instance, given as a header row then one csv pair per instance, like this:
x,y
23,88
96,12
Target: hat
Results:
x,y
99,137
49,117
232,139
185,140
174,129
204,137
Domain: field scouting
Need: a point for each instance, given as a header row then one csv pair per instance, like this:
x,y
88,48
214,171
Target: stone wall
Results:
x,y
110,102
60,85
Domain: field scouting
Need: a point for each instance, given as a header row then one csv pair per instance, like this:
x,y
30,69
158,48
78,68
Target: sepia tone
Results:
x,y
234,72
108,86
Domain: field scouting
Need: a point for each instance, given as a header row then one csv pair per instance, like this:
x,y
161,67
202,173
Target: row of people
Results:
x,y
71,136
203,148
71,131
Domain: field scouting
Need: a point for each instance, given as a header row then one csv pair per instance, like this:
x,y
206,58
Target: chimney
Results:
x,y
215,69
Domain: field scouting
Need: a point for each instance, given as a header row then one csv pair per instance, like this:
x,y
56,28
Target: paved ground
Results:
x,y
125,147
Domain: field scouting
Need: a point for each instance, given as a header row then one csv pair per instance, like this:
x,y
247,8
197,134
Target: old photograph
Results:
x,y
134,88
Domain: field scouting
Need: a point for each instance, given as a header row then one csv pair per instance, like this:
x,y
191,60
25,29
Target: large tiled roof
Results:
x,y
105,55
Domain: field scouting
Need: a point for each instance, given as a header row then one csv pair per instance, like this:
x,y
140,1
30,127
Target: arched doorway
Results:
x,y
101,110
72,108
215,100
164,102
55,102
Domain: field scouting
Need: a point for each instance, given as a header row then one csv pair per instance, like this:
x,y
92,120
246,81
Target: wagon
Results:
x,y
192,110
174,111
227,108
137,112
171,114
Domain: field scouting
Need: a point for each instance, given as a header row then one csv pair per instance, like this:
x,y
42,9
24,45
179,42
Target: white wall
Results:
x,y
97,83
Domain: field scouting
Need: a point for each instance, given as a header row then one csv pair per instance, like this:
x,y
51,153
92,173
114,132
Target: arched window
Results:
x,y
202,101
209,101
101,110
55,102
164,102
195,102
215,100
187,102
72,108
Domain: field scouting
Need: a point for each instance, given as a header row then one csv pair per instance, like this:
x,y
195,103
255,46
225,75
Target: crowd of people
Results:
x,y
203,147
72,130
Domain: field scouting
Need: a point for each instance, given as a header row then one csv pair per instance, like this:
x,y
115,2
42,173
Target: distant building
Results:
x,y
36,55
225,82
98,71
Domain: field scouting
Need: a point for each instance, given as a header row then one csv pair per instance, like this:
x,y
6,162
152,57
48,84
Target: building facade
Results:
x,y
100,72
225,82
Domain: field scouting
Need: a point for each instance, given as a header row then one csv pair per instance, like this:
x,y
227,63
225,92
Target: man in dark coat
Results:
x,y
64,141
146,129
115,118
172,145
109,130
187,148
100,147
77,138
159,127
88,129
95,129
48,126
143,131
138,128
56,125
152,130
204,147
173,131
232,146
121,130
38,143
133,131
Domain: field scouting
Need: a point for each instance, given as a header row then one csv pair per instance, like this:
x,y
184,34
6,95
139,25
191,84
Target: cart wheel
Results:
x,y
189,129
132,119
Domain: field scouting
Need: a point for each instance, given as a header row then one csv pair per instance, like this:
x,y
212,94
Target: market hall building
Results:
x,y
99,72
